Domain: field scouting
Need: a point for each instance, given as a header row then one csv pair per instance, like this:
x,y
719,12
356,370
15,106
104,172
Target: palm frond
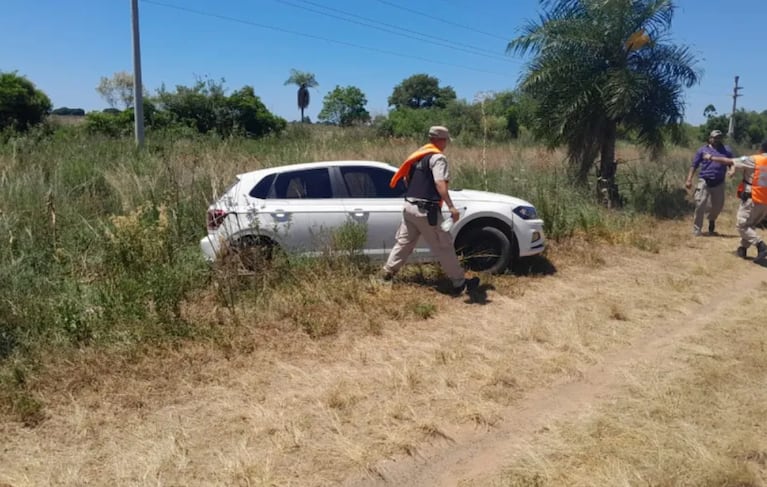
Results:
x,y
586,81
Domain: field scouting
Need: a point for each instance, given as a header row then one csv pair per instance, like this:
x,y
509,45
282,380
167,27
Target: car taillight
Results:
x,y
215,218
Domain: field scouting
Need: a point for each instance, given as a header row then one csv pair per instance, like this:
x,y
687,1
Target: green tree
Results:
x,y
250,116
599,64
199,106
421,91
22,105
205,107
304,81
505,105
117,91
709,111
344,107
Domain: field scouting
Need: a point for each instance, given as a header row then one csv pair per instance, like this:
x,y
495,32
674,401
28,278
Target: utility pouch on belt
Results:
x,y
431,209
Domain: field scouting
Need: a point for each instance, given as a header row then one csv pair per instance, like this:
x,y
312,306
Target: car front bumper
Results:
x,y
530,236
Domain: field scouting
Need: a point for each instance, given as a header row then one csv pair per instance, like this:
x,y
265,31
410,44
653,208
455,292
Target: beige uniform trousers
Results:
x,y
707,200
414,225
749,216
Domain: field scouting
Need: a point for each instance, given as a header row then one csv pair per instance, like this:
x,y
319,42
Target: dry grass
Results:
x,y
322,378
696,419
270,405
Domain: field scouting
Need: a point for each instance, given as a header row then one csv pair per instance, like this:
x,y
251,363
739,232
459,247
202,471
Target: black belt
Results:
x,y
423,204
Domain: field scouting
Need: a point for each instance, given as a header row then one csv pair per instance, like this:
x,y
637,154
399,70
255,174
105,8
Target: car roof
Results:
x,y
260,173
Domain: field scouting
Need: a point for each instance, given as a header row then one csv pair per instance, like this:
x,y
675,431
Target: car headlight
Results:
x,y
525,212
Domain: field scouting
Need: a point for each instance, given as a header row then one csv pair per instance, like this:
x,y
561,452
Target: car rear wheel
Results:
x,y
251,253
486,249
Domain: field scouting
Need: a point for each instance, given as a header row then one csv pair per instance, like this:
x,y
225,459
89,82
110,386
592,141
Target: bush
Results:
x,y
410,122
109,123
21,104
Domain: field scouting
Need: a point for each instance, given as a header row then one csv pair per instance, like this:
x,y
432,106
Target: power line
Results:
x,y
376,24
432,17
311,36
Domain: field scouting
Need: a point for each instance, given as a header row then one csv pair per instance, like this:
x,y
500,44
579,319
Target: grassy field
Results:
x,y
117,338
98,246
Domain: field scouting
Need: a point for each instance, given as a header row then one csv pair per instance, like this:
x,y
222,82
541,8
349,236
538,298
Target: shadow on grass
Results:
x,y
430,277
537,265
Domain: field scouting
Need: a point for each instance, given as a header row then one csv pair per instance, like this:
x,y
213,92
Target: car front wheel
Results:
x,y
486,249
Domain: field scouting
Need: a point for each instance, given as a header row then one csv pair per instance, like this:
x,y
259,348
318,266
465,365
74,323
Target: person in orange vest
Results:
x,y
427,175
753,197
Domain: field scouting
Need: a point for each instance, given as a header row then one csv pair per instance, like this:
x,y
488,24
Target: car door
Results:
x,y
372,202
302,211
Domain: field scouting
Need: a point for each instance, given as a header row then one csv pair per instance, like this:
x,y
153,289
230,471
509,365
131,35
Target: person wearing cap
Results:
x,y
709,192
427,175
753,197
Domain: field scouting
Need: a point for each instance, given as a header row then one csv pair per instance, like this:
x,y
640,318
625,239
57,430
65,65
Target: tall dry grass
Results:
x,y
99,241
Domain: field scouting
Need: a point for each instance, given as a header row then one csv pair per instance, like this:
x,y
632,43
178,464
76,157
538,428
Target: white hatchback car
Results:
x,y
290,207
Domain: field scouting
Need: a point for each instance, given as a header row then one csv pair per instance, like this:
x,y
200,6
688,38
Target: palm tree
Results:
x,y
601,64
304,81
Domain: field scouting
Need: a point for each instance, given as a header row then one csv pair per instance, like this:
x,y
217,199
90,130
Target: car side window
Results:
x,y
370,182
309,183
261,189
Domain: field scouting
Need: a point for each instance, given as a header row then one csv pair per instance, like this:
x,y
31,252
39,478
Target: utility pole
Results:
x,y
735,95
138,90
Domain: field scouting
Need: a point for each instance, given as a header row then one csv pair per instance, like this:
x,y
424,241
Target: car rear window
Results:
x,y
370,182
308,183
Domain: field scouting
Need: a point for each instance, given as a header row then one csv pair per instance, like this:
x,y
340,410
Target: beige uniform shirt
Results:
x,y
746,164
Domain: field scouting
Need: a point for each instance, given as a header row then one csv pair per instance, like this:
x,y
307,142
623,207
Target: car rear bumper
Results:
x,y
210,246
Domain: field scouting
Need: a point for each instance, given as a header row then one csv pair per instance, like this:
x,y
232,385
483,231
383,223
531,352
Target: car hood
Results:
x,y
473,195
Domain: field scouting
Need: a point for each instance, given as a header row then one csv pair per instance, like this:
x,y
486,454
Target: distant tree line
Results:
x,y
750,127
416,103
68,112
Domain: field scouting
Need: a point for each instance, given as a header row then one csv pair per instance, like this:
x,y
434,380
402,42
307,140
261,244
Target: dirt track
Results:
x,y
568,340
473,455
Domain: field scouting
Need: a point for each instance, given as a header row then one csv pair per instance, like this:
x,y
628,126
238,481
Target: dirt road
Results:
x,y
449,400
473,454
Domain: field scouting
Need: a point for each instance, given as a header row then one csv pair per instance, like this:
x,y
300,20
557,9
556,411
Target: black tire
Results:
x,y
486,249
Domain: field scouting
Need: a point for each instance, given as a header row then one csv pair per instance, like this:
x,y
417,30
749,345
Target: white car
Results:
x,y
292,207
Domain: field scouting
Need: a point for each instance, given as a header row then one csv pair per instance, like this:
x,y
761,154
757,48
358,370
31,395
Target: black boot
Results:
x,y
711,227
761,257
741,252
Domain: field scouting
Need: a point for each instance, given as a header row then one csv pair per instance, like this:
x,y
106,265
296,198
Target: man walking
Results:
x,y
427,175
709,192
753,196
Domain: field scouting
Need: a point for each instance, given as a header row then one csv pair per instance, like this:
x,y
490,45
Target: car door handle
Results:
x,y
359,213
279,214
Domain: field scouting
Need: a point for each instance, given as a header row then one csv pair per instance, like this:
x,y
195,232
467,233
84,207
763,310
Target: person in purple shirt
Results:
x,y
709,192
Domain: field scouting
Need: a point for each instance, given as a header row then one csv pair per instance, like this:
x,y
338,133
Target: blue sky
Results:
x,y
64,47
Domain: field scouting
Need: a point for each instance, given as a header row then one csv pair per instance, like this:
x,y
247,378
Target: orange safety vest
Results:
x,y
759,181
404,169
